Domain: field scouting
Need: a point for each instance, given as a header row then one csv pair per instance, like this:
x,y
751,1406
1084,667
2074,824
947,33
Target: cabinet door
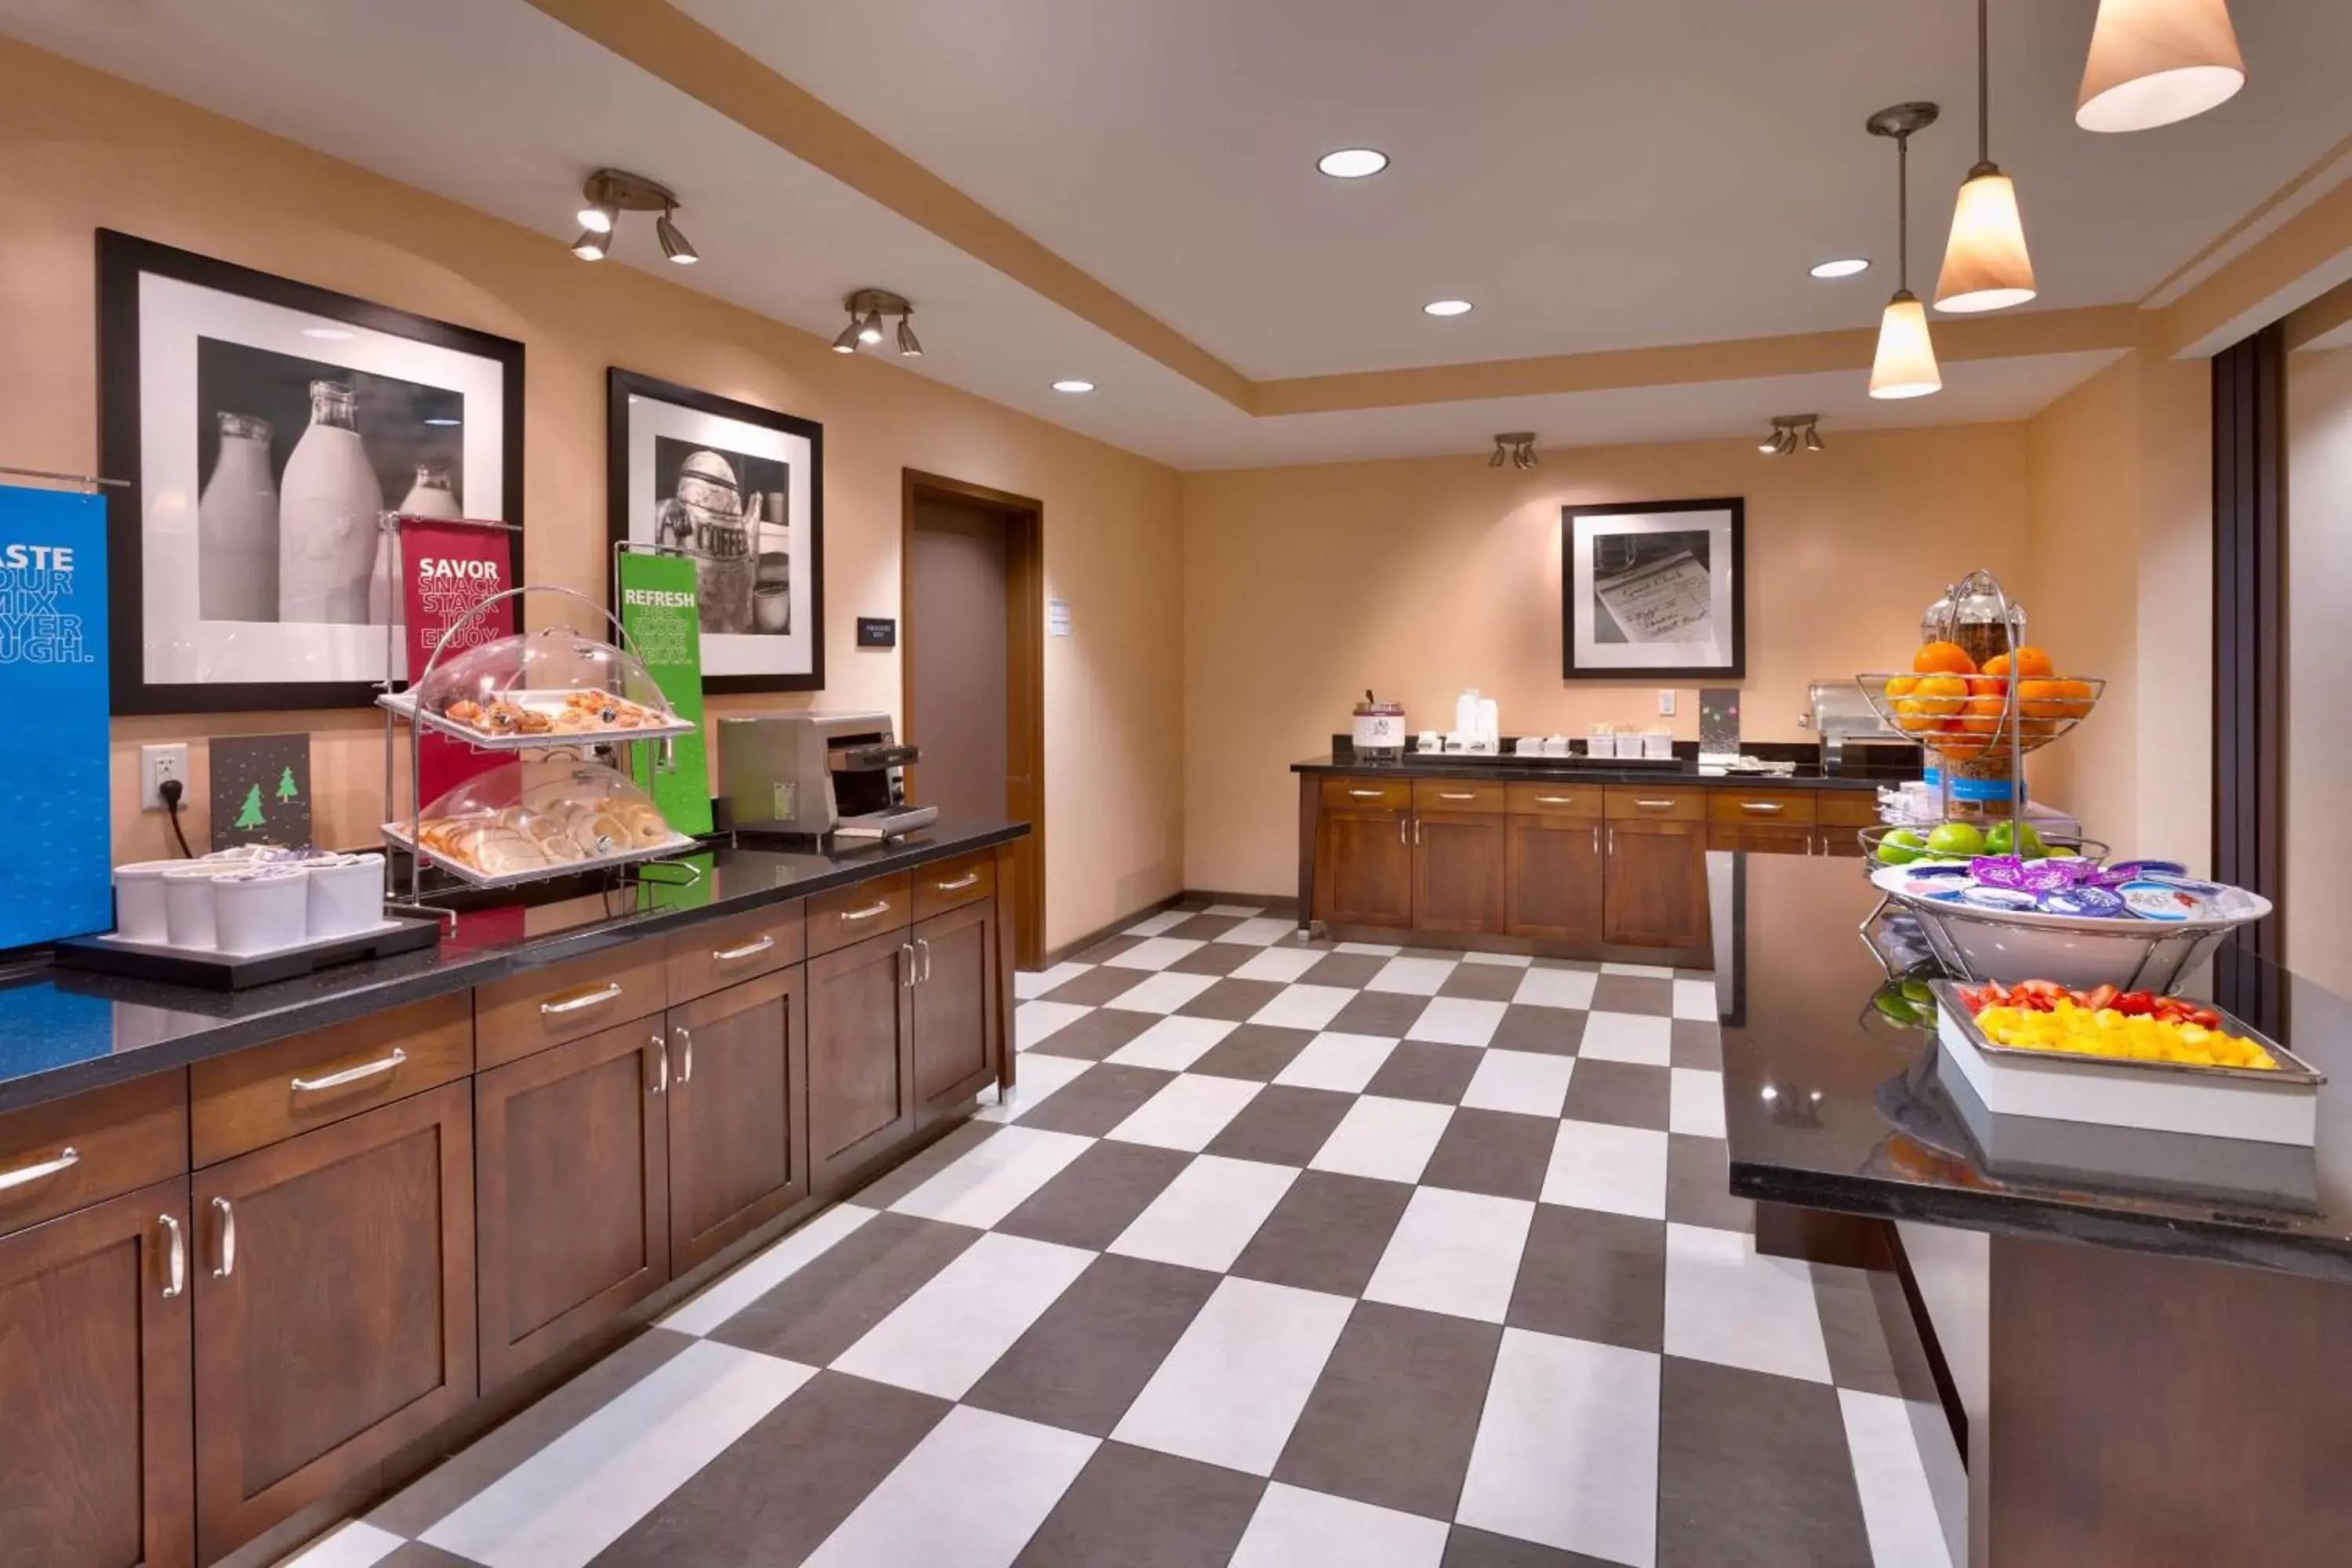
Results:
x,y
1364,868
957,1035
861,1069
1657,885
334,1306
738,1112
95,1402
1554,878
1458,873
573,1174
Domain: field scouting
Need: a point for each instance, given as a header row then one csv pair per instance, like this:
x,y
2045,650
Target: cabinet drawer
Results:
x,y
1458,795
1581,801
727,952
1656,803
951,884
1368,793
1846,807
255,1098
1793,807
1762,837
851,914
70,1153
529,1012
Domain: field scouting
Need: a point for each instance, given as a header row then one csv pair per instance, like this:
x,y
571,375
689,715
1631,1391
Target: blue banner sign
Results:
x,y
56,873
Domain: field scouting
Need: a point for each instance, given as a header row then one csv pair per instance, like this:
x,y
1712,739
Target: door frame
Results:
x,y
1025,671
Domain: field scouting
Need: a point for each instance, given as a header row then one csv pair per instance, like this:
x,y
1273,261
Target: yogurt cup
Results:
x,y
188,906
346,895
139,899
261,910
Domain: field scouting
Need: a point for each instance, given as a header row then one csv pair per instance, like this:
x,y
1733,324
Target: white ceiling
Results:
x,y
1557,159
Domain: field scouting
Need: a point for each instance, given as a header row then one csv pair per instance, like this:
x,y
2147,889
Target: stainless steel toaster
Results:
x,y
816,774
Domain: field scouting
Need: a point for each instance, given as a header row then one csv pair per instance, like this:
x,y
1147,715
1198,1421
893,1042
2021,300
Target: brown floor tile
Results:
x,y
1698,1185
1216,958
1585,1275
1554,1031
1859,1357
416,1554
1097,1099
1493,1151
1109,947
1203,927
1098,986
1083,970
1139,1508
1393,1416
1254,1052
1098,1033
1482,981
1237,1000
1418,1070
1635,994
1282,1125
1096,1194
825,1308
1327,1234
1444,954
1468,1548
1353,969
1589,966
785,1486
1697,1045
1384,1013
899,1180
1082,1363
1627,1094
1754,1469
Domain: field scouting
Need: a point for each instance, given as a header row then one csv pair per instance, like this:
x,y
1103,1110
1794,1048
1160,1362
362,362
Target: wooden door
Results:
x,y
957,1032
1657,885
573,1172
334,1306
1458,873
96,1405
861,1071
738,1112
1364,868
1553,878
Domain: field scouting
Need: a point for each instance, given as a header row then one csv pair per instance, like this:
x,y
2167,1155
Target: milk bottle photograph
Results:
x,y
328,507
236,526
429,496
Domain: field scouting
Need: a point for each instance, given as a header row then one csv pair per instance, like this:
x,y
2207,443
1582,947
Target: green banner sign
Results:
x,y
657,606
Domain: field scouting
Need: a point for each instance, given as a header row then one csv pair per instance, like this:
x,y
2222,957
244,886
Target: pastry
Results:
x,y
643,825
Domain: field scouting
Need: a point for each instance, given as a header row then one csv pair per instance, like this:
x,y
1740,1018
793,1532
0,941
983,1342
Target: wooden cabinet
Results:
x,y
546,1006
861,1069
1364,868
95,1386
957,1033
1553,877
860,913
727,952
1842,813
1458,872
1765,837
334,1279
240,1102
62,1156
738,1152
574,1182
1655,884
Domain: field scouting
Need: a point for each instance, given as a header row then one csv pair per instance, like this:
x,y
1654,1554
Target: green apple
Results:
x,y
1960,839
2015,838
1901,848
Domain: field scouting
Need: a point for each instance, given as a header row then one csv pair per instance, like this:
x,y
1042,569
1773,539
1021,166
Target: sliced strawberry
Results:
x,y
2100,997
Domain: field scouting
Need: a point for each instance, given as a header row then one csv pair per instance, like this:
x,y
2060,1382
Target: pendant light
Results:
x,y
2155,61
1905,362
1986,267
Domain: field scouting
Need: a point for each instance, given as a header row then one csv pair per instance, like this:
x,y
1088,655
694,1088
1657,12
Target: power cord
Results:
x,y
170,791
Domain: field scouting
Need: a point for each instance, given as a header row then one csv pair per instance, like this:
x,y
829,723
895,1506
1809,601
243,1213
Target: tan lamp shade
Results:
x,y
1905,365
1985,265
2155,61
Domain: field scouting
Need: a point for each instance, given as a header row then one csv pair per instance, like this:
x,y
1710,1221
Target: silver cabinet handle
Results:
x,y
1416,830
353,1075
227,1223
748,949
1596,838
175,1257
586,999
1656,804
923,951
23,1175
661,1064
1555,800
907,965
1403,833
878,907
1769,808
969,880
1365,794
1454,795
685,1053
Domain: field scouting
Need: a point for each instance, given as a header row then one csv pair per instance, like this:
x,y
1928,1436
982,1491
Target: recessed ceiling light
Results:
x,y
1074,385
455,421
1843,267
1352,163
1447,308
329,335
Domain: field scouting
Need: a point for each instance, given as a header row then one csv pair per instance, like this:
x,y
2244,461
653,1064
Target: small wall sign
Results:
x,y
261,790
1057,617
877,631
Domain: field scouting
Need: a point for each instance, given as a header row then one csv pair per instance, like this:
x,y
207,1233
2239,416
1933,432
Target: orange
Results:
x,y
1902,685
1943,658
2054,699
1983,715
1910,719
2029,660
1986,685
1940,694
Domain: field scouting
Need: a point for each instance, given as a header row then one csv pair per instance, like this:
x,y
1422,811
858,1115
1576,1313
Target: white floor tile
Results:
x,y
1205,1216
993,1178
1162,993
1528,1082
1342,1062
1187,1113
1697,1106
1457,1021
1258,931
1389,1140
1035,1021
1173,1045
1641,971
1028,984
1232,1389
1695,999
759,1275
1154,953
1456,1253
1152,925
1293,1528
1281,965
1411,977
1500,960
1567,1453
1628,1037
1898,1511
1041,1076
1728,1303
1556,988
1304,1007
356,1545
1241,911
970,1495
1372,949
1618,1170
576,1497
941,1338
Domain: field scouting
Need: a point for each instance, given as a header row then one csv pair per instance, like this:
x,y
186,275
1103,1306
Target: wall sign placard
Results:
x,y
53,675
662,615
260,789
1653,591
447,566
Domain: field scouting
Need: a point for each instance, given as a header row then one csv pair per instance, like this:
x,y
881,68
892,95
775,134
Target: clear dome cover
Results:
x,y
538,817
553,681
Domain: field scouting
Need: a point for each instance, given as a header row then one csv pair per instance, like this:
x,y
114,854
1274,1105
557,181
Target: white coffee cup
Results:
x,y
139,899
262,909
188,906
346,894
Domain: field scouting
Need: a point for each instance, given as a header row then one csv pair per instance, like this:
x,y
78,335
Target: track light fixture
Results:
x,y
866,307
609,193
1905,365
1791,432
1517,446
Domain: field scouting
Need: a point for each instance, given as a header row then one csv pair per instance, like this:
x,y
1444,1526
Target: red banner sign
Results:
x,y
446,568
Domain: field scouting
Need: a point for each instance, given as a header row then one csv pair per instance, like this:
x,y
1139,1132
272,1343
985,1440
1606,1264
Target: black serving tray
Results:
x,y
236,972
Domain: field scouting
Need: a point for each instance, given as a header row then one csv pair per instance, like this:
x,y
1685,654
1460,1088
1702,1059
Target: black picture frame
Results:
x,y
1574,610
621,387
122,260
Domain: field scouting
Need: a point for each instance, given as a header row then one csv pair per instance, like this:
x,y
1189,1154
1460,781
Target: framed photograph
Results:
x,y
1653,591
741,490
264,426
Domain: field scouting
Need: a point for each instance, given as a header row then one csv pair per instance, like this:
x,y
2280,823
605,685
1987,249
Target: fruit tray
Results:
x,y
1921,706
1873,839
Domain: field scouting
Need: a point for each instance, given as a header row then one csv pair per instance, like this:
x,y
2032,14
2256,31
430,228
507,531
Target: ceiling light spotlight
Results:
x,y
1352,163
869,330
866,307
909,346
847,343
673,244
606,195
1790,432
1842,267
1905,365
591,246
1072,383
1813,437
1447,308
1519,446
1985,263
2152,62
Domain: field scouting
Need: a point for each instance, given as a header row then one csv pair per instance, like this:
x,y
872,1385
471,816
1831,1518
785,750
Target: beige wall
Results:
x,y
2318,905
84,151
1304,586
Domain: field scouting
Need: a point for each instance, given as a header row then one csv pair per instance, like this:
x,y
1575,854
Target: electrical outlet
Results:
x,y
157,764
1666,704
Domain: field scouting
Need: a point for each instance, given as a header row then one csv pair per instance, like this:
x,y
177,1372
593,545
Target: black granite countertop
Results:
x,y
1581,770
62,1031
1829,1103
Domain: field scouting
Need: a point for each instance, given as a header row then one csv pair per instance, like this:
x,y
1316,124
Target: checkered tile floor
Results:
x,y
1285,1256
